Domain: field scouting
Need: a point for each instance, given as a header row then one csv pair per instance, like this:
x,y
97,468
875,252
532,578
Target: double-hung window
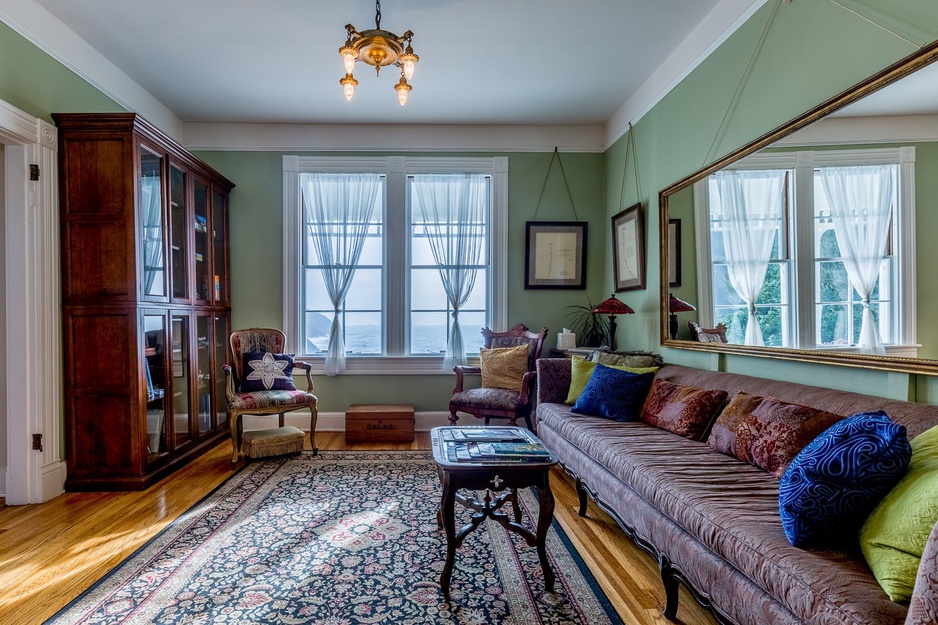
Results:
x,y
811,250
393,264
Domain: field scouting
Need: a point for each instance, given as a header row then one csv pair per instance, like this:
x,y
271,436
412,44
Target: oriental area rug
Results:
x,y
342,538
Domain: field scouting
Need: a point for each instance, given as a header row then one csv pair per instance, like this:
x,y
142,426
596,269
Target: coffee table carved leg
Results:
x,y
545,516
447,515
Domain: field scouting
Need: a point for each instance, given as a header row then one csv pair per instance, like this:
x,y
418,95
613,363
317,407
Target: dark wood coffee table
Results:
x,y
492,476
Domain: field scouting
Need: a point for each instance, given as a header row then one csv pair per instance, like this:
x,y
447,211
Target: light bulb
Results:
x,y
348,83
349,60
409,67
409,62
402,96
403,89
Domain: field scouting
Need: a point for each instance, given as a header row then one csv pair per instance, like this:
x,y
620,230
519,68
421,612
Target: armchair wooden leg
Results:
x,y
234,421
313,418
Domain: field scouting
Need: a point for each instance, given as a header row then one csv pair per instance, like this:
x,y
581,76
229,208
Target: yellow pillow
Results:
x,y
503,367
581,370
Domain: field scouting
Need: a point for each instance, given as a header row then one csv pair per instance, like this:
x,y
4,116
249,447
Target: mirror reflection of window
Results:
x,y
803,250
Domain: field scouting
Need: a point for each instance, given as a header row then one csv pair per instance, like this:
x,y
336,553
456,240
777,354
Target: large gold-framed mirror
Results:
x,y
807,305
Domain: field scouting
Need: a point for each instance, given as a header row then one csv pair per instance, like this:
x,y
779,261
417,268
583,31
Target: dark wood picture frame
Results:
x,y
555,255
628,249
674,252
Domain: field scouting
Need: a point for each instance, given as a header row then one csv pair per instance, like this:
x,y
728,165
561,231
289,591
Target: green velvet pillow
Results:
x,y
581,370
894,535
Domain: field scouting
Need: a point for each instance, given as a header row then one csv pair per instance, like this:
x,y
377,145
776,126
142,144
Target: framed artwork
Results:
x,y
628,249
555,255
674,252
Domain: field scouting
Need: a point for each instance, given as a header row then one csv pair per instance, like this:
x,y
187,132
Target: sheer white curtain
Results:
x,y
151,205
861,202
753,204
453,209
338,212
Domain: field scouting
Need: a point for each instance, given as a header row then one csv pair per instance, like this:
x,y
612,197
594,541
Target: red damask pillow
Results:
x,y
723,434
684,410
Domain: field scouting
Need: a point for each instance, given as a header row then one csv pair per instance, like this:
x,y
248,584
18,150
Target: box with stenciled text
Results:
x,y
379,423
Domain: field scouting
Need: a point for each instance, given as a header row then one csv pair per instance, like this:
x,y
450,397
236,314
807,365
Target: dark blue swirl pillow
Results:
x,y
614,394
838,478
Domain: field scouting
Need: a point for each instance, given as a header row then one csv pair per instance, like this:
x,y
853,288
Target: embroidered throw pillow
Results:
x,y
838,478
723,434
581,370
264,371
684,410
503,367
894,535
614,394
776,431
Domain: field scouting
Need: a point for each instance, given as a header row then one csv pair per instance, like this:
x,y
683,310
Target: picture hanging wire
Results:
x,y
630,149
555,155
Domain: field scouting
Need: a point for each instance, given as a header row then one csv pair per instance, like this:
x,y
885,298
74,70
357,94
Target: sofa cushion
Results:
x,y
730,507
723,434
894,535
633,358
614,394
684,410
836,480
581,370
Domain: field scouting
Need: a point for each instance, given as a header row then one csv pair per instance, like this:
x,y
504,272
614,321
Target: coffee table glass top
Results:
x,y
456,445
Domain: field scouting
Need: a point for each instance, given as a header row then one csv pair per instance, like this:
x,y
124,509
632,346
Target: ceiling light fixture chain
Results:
x,y
378,48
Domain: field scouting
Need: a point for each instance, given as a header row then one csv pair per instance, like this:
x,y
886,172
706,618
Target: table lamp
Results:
x,y
612,307
675,306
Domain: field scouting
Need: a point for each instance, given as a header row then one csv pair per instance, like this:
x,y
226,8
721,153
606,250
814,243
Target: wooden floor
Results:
x,y
51,552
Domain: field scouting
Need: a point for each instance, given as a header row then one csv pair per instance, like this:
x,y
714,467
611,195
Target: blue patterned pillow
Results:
x,y
614,394
264,371
838,478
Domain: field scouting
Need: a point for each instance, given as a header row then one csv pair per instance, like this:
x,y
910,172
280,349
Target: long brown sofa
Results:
x,y
713,521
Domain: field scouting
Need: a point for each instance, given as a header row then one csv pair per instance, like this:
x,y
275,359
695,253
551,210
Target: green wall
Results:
x,y
812,51
257,264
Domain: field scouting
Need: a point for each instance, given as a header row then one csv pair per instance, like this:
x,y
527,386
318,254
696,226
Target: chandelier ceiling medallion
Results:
x,y
378,48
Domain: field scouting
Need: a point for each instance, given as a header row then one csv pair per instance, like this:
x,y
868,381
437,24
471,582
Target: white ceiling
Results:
x,y
547,62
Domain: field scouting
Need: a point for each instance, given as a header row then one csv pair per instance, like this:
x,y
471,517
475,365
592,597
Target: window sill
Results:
x,y
386,365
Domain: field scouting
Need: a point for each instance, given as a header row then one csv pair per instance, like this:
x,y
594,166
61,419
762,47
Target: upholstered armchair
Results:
x,y
500,403
262,384
707,335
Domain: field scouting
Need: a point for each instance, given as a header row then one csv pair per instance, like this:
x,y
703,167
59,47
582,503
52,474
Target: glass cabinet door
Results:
x,y
179,239
154,350
204,381
220,250
151,218
200,226
182,432
221,359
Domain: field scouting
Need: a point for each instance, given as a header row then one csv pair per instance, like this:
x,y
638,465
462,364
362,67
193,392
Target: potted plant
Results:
x,y
591,328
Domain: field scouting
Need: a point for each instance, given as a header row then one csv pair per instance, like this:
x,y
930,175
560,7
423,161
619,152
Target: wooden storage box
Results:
x,y
379,423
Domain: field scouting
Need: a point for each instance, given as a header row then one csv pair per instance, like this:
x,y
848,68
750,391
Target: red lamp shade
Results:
x,y
676,305
612,306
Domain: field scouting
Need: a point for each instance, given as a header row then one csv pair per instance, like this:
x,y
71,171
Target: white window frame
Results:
x,y
803,164
396,170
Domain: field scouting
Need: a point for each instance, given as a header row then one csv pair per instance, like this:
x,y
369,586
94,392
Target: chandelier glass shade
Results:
x,y
378,48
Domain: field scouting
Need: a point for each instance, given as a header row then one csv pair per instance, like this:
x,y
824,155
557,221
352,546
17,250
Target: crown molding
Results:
x,y
390,137
865,130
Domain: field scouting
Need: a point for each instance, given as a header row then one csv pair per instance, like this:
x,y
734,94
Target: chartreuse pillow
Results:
x,y
894,535
581,370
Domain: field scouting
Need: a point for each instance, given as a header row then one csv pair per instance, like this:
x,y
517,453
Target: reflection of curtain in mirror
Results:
x,y
453,208
861,202
151,207
753,204
338,213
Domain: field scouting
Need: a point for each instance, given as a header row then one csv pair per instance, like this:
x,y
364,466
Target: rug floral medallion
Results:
x,y
343,538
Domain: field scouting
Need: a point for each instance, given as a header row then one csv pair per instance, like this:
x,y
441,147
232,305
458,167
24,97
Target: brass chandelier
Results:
x,y
378,48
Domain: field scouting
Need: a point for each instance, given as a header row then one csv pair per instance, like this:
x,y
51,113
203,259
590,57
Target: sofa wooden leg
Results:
x,y
671,585
452,417
581,494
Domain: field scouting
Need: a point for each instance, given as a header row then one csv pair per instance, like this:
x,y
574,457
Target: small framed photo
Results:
x,y
555,255
674,252
628,248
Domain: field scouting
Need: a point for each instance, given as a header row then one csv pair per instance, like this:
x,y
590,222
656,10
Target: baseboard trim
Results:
x,y
335,421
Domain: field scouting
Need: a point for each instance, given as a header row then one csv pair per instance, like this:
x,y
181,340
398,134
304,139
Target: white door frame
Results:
x,y
33,311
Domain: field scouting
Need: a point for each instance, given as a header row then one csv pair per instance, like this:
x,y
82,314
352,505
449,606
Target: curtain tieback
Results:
x,y
752,309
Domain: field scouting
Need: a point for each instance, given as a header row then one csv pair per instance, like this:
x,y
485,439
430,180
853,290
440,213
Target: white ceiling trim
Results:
x,y
864,130
716,28
37,25
390,137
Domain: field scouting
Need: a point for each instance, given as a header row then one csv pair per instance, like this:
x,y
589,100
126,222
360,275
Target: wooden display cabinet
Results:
x,y
144,227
